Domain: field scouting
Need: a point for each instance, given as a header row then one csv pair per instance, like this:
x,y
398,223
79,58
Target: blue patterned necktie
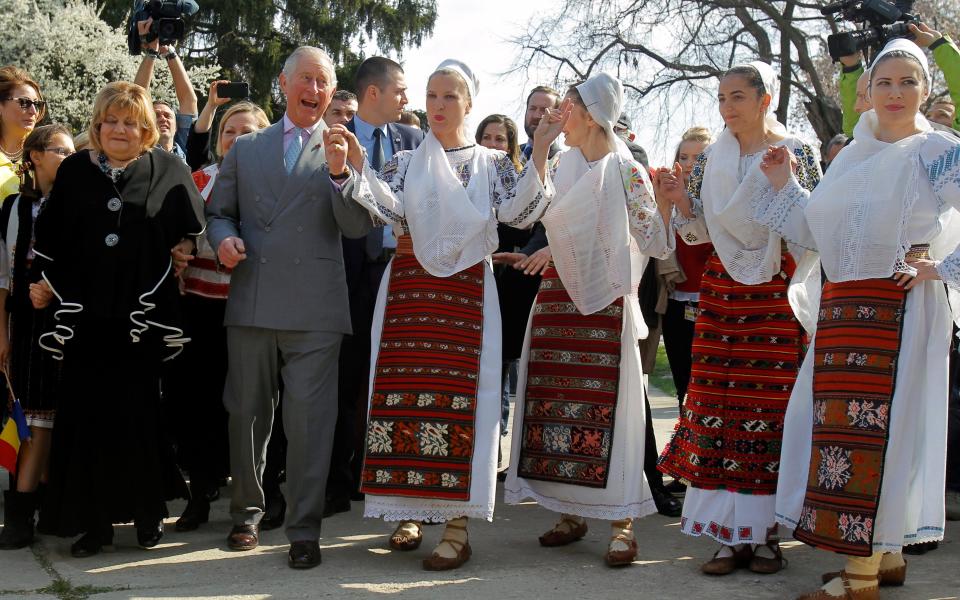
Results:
x,y
293,150
377,160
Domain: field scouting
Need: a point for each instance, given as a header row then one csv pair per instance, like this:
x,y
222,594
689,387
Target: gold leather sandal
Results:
x,y
402,540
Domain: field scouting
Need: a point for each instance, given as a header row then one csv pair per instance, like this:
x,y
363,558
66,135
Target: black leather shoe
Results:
x,y
275,512
303,555
667,505
149,536
196,513
334,504
92,543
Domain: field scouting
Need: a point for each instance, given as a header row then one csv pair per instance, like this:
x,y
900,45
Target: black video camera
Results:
x,y
167,24
883,21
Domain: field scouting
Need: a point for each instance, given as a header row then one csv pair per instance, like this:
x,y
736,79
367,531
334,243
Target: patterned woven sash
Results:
x,y
571,397
420,433
855,364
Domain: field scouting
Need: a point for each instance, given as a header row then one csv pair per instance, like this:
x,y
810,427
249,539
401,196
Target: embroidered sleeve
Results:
x,y
382,193
646,224
693,229
808,168
782,212
943,171
949,270
520,200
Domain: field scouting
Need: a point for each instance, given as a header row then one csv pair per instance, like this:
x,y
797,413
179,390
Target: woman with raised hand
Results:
x,y
103,258
431,448
747,342
862,466
579,422
44,149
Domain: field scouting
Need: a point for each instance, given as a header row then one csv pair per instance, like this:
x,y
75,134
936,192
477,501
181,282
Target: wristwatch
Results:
x,y
938,42
170,55
151,53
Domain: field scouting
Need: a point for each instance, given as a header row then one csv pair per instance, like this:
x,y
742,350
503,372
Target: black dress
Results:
x,y
104,248
34,381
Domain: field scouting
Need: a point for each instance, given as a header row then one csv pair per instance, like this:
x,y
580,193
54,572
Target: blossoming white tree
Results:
x,y
72,53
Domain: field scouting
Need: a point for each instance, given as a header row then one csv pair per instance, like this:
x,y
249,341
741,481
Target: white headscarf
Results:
x,y
750,252
464,71
587,226
451,227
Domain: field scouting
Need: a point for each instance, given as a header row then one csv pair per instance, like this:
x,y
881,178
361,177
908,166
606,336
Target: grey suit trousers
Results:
x,y
307,362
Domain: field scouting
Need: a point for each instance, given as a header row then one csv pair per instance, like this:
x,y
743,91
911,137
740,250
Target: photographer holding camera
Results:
x,y
853,85
174,126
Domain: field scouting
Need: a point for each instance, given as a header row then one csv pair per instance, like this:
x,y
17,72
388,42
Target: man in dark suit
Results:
x,y
539,100
381,95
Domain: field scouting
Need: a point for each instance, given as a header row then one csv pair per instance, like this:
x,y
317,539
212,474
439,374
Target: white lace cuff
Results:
x,y
949,270
782,212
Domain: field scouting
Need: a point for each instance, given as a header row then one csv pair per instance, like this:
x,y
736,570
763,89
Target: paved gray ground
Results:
x,y
507,563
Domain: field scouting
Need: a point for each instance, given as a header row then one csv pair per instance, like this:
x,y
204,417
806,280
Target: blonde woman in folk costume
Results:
x,y
747,342
579,424
865,435
431,448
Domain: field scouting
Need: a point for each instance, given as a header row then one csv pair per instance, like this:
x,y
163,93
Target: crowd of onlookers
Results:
x,y
113,302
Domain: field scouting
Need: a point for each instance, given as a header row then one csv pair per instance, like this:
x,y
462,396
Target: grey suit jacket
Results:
x,y
293,277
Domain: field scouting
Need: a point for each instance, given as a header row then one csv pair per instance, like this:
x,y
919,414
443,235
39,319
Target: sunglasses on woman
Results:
x,y
26,103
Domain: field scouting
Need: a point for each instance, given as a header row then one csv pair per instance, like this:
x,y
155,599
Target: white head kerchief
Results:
x,y
451,227
587,226
750,252
473,84
602,95
905,45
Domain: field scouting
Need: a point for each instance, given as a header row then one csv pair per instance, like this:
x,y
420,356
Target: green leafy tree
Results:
x,y
249,39
72,53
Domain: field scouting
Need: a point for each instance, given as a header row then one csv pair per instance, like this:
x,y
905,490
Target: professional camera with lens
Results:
x,y
883,20
167,24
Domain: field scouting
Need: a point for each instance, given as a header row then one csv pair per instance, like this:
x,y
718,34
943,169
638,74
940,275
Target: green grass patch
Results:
x,y
661,377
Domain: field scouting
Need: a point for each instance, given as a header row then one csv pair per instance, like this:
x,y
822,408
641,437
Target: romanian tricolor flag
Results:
x,y
14,431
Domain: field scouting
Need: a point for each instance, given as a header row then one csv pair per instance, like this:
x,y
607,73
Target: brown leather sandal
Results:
x,y
896,576
724,565
768,566
621,558
559,537
440,563
869,593
401,540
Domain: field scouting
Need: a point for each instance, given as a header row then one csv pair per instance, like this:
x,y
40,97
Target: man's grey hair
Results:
x,y
839,139
290,65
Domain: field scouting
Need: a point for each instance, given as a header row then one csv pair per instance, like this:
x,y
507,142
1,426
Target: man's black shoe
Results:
x,y
667,505
303,555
